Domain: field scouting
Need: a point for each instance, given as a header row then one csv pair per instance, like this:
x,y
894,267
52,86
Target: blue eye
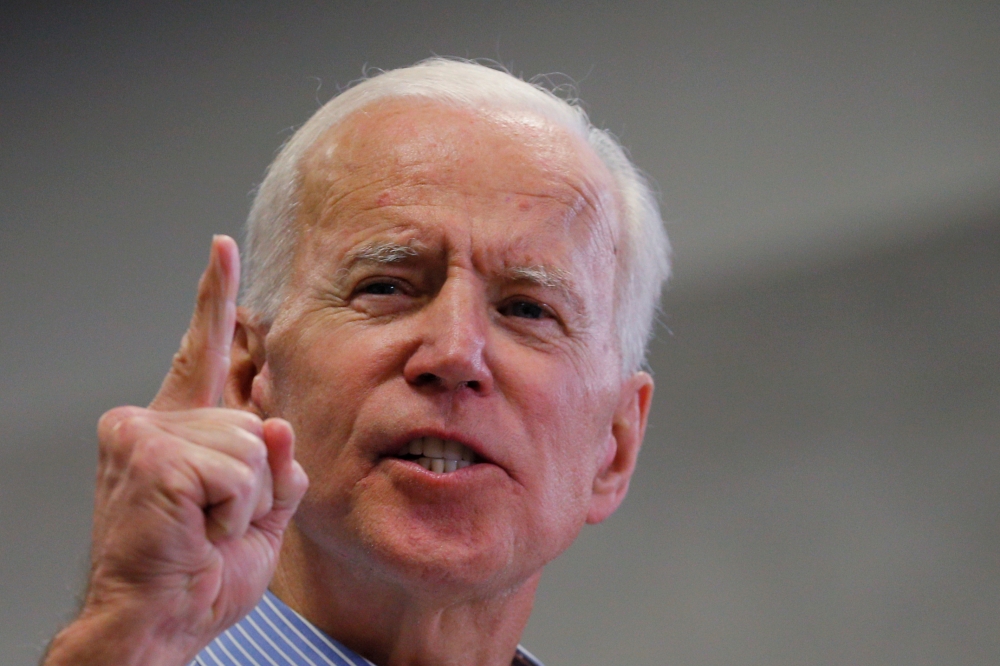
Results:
x,y
524,309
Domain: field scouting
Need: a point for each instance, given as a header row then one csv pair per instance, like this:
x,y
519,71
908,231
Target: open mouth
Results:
x,y
438,455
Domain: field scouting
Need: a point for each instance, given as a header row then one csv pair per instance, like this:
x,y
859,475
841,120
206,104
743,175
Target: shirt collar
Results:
x,y
272,634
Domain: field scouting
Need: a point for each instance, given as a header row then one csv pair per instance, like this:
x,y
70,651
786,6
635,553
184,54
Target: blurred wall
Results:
x,y
821,480
818,485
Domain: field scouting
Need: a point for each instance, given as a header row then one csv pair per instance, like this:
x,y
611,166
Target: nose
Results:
x,y
452,341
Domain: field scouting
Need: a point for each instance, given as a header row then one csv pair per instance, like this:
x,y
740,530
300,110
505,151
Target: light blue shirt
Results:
x,y
272,634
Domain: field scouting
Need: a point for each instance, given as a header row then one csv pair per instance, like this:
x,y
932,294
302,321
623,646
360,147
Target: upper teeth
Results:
x,y
439,455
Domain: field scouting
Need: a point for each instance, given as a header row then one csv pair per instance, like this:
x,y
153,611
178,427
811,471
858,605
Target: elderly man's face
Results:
x,y
454,279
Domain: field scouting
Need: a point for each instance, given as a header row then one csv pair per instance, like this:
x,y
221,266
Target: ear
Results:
x,y
247,385
622,449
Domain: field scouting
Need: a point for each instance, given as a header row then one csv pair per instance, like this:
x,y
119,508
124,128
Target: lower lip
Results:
x,y
412,467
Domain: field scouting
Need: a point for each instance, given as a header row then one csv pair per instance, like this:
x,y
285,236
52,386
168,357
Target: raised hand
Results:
x,y
191,503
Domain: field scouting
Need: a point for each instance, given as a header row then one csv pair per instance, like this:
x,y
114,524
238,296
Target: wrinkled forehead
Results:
x,y
412,144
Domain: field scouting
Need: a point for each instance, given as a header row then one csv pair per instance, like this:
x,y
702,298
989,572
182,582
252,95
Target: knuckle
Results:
x,y
173,483
255,454
238,418
245,483
146,454
219,357
150,456
116,422
184,362
252,423
119,430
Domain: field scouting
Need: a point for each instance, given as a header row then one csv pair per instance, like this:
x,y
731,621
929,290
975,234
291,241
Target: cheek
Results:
x,y
564,470
569,421
317,390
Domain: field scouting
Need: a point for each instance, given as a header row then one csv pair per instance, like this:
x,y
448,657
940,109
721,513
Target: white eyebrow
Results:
x,y
382,252
389,252
543,276
551,277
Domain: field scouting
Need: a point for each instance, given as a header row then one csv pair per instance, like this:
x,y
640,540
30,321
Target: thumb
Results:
x,y
198,371
289,479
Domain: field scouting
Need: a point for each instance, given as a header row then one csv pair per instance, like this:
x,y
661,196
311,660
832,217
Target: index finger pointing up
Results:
x,y
198,371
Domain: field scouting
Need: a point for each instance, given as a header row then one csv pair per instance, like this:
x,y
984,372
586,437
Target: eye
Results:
x,y
384,295
523,309
380,288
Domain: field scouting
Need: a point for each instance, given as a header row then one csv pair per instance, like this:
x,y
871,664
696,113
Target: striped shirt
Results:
x,y
272,634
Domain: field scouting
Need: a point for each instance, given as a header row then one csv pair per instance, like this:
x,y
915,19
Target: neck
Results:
x,y
395,624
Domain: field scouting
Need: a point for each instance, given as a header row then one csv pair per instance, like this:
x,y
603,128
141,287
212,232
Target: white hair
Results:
x,y
643,261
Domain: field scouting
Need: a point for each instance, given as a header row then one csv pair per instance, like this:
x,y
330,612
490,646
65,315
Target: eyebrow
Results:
x,y
389,252
383,252
542,276
549,277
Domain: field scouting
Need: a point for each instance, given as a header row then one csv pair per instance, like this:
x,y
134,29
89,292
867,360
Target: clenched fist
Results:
x,y
191,503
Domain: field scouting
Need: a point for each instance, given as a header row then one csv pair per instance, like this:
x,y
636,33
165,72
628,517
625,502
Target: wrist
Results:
x,y
121,636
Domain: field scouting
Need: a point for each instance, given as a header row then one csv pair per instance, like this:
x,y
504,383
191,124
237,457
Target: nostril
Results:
x,y
425,378
474,385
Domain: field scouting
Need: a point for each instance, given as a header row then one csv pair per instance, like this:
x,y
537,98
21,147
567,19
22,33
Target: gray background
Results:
x,y
821,479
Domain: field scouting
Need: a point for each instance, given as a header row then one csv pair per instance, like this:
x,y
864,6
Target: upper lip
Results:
x,y
399,442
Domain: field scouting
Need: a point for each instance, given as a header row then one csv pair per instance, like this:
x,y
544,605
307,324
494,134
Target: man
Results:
x,y
451,280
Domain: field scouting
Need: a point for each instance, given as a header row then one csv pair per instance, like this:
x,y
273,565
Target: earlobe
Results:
x,y
247,367
624,441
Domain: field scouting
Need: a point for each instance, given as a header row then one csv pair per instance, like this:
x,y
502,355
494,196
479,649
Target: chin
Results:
x,y
440,557
445,543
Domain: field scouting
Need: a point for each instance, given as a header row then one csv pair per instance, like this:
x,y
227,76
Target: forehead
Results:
x,y
509,175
